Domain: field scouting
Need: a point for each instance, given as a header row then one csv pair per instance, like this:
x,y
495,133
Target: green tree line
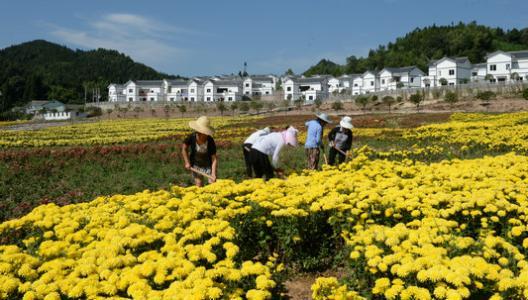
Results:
x,y
422,45
43,70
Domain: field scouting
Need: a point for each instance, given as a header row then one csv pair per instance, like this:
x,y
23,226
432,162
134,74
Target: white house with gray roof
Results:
x,y
259,85
308,89
507,66
478,72
222,90
370,82
448,71
400,78
116,92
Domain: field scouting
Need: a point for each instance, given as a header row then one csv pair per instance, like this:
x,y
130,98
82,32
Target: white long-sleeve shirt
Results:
x,y
255,136
270,144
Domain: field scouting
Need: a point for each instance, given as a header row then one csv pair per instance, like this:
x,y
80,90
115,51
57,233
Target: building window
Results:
x,y
130,99
151,99
288,89
372,83
230,98
355,84
130,90
493,67
474,74
507,66
208,98
247,84
451,72
451,83
310,98
192,90
383,81
412,79
192,99
172,99
208,90
267,93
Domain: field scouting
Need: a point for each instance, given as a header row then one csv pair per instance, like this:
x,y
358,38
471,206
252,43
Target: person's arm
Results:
x,y
275,158
214,157
214,166
348,143
185,155
318,136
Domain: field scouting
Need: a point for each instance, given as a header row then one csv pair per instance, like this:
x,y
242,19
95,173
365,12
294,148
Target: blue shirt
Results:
x,y
314,134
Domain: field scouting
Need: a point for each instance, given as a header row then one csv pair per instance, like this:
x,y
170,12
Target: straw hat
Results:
x,y
202,125
346,122
324,117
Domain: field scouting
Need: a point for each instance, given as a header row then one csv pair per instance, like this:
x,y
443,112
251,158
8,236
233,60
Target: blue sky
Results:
x,y
216,37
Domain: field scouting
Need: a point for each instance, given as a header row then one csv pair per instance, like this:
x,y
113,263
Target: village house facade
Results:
x,y
500,67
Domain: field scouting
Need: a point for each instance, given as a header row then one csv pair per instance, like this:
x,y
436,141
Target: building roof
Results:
x,y
261,78
310,80
148,82
519,54
401,71
457,60
226,82
481,65
176,82
37,102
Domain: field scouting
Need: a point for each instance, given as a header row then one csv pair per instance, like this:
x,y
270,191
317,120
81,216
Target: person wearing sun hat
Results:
x,y
248,143
340,141
271,145
199,151
314,139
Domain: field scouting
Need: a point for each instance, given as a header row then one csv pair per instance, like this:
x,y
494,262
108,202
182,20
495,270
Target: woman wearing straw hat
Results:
x,y
201,160
271,145
314,139
340,141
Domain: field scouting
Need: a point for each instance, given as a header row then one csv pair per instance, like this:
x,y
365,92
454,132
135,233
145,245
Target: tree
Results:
x,y
363,101
278,85
337,106
488,77
244,107
298,103
442,81
109,112
389,101
451,98
416,99
137,111
233,107
182,108
256,106
289,72
286,105
399,85
525,94
318,102
270,106
221,107
166,110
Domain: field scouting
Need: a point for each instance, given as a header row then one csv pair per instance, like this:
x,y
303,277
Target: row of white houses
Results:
x,y
500,67
226,88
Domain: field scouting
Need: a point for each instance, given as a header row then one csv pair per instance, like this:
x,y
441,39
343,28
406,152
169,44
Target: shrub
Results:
x,y
486,95
389,101
94,111
525,93
399,99
363,101
451,97
337,106
416,99
442,81
374,98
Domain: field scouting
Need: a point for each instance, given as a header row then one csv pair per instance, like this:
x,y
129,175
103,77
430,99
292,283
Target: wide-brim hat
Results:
x,y
346,122
202,125
324,117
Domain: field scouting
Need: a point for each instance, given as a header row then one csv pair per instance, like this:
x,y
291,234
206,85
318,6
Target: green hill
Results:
x,y
424,44
44,70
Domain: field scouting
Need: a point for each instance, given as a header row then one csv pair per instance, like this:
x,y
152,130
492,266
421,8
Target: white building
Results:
x,y
478,72
176,90
259,85
370,82
222,90
507,66
195,90
400,78
448,71
307,88
144,90
116,92
357,85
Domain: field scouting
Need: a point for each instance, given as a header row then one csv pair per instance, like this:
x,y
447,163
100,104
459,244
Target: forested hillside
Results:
x,y
44,70
424,44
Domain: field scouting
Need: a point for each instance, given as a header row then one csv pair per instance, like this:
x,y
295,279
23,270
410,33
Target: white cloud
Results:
x,y
145,40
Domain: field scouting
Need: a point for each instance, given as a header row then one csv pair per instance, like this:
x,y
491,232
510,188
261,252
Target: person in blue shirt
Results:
x,y
314,139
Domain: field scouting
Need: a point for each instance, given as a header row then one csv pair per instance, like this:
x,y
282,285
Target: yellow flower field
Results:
x,y
405,229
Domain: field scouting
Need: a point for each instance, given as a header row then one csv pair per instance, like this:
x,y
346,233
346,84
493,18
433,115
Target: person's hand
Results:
x,y
187,166
213,178
331,144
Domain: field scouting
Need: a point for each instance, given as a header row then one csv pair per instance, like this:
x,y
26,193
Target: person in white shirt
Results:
x,y
248,143
271,145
